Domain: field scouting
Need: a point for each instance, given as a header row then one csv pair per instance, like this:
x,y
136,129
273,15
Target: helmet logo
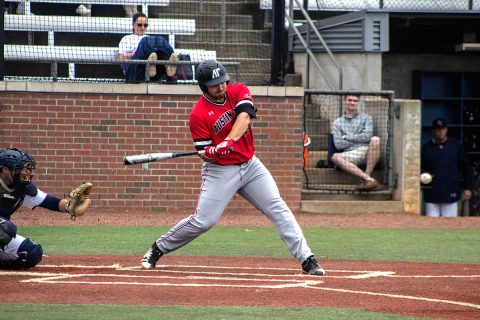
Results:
x,y
215,73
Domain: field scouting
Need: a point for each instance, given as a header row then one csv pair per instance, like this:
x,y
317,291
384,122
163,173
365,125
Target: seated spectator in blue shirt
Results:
x,y
353,135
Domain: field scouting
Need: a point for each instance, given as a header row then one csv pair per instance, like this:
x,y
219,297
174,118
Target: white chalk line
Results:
x,y
66,278
399,296
363,274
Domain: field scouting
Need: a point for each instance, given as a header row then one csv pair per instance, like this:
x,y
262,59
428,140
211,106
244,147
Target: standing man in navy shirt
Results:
x,y
446,160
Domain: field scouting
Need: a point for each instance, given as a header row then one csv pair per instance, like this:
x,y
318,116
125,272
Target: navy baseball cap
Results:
x,y
439,123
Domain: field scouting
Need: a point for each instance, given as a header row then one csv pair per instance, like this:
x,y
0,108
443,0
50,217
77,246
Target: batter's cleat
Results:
x,y
311,266
151,257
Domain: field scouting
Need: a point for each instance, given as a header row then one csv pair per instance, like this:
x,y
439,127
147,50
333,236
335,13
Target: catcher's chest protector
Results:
x,y
10,201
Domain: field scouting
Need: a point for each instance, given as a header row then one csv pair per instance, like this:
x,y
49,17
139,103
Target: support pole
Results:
x,y
278,43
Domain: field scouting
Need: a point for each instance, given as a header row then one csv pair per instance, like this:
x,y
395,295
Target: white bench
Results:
x,y
52,24
84,55
143,3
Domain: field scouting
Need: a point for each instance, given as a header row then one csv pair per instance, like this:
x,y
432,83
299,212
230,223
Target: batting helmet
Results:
x,y
17,160
210,73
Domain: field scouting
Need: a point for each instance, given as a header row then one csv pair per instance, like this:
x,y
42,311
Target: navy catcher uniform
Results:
x,y
17,189
220,125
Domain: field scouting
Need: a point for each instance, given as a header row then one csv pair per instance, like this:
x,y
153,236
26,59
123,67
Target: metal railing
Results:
x,y
310,54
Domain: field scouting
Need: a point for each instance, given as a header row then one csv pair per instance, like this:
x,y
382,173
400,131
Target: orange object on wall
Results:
x,y
306,143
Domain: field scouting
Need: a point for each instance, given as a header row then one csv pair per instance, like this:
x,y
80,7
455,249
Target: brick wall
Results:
x,y
77,137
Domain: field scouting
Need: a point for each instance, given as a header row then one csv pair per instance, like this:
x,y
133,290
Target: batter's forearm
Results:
x,y
240,126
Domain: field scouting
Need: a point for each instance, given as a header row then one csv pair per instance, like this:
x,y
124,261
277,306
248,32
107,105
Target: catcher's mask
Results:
x,y
210,73
21,165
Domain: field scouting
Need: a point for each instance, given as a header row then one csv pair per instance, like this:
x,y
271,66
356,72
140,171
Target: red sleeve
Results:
x,y
199,129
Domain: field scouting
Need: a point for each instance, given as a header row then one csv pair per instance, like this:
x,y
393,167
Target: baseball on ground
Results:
x,y
425,178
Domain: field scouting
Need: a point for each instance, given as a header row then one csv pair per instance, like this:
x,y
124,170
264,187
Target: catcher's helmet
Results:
x,y
210,73
14,158
18,160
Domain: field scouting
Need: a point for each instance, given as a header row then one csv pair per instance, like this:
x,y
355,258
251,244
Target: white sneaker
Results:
x,y
83,11
130,11
21,8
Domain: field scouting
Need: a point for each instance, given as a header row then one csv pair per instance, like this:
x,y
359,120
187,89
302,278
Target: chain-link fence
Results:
x,y
337,129
71,41
383,4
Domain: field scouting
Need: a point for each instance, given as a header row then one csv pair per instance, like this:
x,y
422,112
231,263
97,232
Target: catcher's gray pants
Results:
x,y
252,181
14,244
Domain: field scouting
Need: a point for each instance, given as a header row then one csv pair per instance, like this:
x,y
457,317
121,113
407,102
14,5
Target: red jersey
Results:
x,y
211,122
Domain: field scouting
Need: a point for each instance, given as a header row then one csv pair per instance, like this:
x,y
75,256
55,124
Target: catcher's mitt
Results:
x,y
78,201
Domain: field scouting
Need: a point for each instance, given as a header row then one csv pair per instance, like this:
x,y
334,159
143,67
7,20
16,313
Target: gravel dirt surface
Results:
x,y
96,216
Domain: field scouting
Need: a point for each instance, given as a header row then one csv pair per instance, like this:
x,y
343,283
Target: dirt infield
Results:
x,y
409,289
246,218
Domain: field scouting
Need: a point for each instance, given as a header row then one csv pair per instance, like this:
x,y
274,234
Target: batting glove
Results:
x,y
225,147
210,152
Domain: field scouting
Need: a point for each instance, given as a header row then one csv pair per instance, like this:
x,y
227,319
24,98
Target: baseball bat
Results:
x,y
152,157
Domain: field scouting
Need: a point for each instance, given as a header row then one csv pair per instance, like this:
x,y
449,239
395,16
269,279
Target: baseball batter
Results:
x,y
220,125
17,189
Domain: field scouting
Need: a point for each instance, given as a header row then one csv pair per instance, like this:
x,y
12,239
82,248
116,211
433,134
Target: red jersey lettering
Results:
x,y
211,122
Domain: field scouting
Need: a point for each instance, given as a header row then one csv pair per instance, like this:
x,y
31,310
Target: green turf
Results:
x,y
426,245
23,311
429,245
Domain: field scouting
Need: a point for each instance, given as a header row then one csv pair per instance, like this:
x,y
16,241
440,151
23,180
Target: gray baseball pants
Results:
x,y
252,181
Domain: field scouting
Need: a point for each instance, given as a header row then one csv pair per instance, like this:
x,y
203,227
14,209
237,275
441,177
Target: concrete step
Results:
x,y
293,80
249,67
229,49
313,111
233,35
252,71
317,126
210,6
351,207
314,156
346,196
319,142
336,176
210,20
255,79
331,176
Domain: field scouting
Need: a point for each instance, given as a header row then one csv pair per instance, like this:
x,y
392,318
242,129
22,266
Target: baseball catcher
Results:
x,y
17,189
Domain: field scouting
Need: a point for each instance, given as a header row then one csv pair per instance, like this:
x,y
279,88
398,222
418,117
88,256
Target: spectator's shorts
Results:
x,y
357,156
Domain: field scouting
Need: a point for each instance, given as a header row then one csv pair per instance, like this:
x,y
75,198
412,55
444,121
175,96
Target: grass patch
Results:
x,y
20,311
421,245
